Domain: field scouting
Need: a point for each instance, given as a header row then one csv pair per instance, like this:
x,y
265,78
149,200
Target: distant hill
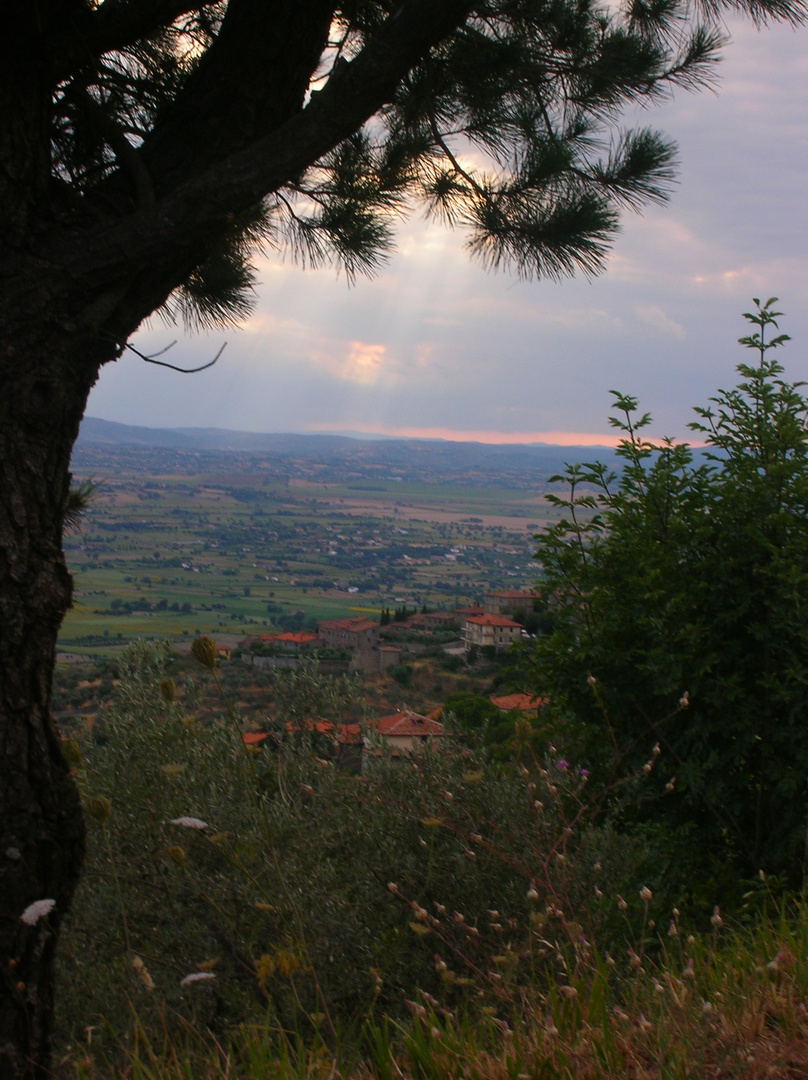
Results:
x,y
439,455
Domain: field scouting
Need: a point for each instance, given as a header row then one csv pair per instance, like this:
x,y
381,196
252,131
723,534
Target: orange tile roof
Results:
x,y
359,623
301,637
409,723
491,620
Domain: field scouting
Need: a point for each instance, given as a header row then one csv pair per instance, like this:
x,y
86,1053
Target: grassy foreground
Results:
x,y
731,1003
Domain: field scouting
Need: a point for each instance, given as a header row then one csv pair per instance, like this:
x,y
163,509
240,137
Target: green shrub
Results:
x,y
679,591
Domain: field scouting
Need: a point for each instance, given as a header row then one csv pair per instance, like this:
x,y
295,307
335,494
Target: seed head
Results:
x,y
176,854
204,651
98,808
71,752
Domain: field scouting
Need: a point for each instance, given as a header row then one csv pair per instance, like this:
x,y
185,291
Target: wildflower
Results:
x,y
646,895
598,893
197,977
690,970
670,784
673,929
448,796
392,887
434,1032
440,963
36,911
584,773
440,908
532,894
537,805
549,1026
684,700
568,992
621,903
476,838
716,919
647,767
706,1007
598,866
658,987
591,680
634,959
189,823
656,751
562,764
307,789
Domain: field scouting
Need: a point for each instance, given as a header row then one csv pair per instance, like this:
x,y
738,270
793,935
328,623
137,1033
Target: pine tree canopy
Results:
x,y
184,134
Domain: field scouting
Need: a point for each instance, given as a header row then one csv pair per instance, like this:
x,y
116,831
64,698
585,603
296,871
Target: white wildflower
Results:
x,y
197,977
189,823
36,911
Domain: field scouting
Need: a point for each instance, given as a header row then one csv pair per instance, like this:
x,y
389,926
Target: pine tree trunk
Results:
x,y
43,391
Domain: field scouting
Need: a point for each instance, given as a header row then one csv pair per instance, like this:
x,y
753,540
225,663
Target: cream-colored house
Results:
x,y
490,631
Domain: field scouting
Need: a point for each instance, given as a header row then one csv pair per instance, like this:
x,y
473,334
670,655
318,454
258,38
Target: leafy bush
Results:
x,y
679,591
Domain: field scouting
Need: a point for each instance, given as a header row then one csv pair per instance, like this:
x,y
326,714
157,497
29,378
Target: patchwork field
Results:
x,y
178,542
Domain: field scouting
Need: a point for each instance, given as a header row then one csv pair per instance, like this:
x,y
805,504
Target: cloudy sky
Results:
x,y
434,346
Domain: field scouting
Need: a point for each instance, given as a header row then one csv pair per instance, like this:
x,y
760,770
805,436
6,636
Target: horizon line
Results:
x,y
486,436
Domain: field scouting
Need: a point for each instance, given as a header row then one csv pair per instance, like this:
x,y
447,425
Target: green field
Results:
x,y
175,544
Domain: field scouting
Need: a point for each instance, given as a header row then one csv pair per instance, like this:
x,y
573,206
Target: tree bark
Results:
x,y
41,826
